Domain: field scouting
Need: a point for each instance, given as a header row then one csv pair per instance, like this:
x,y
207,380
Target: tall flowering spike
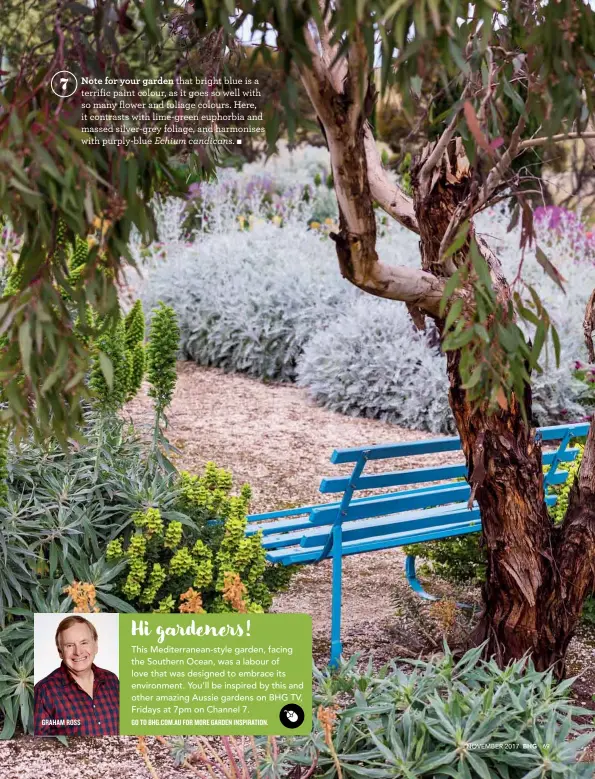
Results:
x,y
137,360
80,254
162,353
113,344
156,579
81,327
173,535
135,325
61,243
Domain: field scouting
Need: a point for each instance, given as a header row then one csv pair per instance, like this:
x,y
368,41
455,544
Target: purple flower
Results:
x,y
263,184
578,365
555,216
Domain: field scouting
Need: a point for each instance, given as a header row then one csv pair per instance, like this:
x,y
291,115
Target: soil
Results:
x,y
273,437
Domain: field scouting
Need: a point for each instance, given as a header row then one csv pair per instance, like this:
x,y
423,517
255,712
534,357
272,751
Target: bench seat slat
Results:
x,y
404,525
395,523
298,555
269,523
281,534
316,535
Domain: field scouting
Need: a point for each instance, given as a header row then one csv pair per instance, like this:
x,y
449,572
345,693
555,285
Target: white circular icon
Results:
x,y
64,83
292,716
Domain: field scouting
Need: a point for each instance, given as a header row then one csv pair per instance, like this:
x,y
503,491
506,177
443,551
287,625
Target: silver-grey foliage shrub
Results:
x,y
371,361
270,301
250,301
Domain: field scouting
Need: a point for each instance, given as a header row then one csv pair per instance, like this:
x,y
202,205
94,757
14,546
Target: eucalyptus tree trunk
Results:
x,y
537,574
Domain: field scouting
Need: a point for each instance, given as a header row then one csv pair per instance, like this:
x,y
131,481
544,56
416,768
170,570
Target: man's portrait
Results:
x,y
78,698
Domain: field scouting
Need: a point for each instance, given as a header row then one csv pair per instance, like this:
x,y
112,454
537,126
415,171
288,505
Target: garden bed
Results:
x,y
271,436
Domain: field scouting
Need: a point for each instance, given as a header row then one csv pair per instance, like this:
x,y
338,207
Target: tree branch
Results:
x,y
336,68
388,195
359,179
478,198
361,267
320,71
442,143
531,143
357,82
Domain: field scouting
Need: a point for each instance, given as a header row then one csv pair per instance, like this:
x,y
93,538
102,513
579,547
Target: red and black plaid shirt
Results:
x,y
62,708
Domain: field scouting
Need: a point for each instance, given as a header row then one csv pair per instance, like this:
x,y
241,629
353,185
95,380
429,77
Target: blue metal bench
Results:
x,y
351,525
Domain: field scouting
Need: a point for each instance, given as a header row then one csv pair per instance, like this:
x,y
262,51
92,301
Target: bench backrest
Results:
x,y
451,490
422,497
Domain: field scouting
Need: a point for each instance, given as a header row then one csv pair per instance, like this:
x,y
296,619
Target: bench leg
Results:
x,y
416,585
414,582
336,648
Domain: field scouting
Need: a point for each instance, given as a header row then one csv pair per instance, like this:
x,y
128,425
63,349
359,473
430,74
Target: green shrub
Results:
x,y
62,507
80,253
441,718
558,512
203,553
134,326
121,340
460,559
16,660
16,682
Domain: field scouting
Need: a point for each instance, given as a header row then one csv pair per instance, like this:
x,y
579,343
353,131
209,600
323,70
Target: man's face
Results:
x,y
78,648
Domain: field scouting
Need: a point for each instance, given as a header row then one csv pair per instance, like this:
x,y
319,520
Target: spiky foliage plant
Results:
x,y
440,717
110,371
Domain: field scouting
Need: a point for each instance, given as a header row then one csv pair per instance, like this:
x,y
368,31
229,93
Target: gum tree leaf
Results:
x,y
549,268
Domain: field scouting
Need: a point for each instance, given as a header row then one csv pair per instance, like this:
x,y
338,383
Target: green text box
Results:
x,y
214,674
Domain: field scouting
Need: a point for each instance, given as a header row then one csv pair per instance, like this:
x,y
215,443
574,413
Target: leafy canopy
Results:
x,y
503,62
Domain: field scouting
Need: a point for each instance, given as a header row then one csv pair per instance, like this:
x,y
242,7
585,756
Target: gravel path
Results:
x,y
272,437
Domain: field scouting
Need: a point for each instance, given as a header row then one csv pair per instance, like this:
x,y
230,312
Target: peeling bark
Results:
x,y
537,575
